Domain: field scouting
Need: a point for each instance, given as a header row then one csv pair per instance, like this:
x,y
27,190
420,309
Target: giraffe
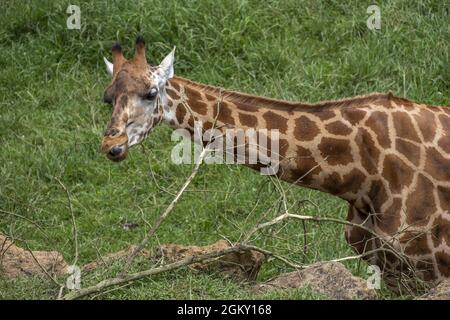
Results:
x,y
387,156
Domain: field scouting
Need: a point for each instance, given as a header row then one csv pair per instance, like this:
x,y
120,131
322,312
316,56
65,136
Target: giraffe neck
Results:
x,y
315,140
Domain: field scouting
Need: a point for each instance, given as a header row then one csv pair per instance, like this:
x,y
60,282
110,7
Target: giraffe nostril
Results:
x,y
107,98
115,151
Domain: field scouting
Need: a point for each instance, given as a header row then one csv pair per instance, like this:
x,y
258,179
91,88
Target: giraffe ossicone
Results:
x,y
387,156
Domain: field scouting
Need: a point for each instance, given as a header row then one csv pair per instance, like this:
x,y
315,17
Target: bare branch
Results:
x,y
74,225
121,280
41,266
165,213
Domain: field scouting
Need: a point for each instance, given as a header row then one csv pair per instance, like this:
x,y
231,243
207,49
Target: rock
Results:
x,y
331,279
242,266
17,262
440,292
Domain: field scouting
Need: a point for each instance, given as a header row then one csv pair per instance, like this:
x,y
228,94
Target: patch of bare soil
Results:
x,y
440,292
331,279
16,262
242,266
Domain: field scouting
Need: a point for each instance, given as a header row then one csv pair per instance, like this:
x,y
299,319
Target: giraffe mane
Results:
x,y
260,101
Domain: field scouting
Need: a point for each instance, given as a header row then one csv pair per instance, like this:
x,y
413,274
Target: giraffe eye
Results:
x,y
151,94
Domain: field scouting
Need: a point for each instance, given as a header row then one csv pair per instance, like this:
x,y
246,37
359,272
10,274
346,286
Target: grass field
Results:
x,y
52,119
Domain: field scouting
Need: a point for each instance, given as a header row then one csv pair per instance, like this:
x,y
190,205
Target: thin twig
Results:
x,y
41,266
285,216
272,254
74,225
165,214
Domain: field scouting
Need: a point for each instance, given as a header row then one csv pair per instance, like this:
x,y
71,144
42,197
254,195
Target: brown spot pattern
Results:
x,y
444,198
353,115
367,151
353,181
192,94
378,123
414,242
443,262
325,114
248,120
426,122
275,121
305,129
377,194
439,232
225,115
420,203
437,166
338,128
358,238
305,163
409,150
397,173
200,107
445,121
404,127
180,114
336,151
173,94
389,220
444,143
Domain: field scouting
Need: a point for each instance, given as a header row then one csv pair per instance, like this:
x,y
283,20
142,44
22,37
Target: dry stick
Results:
x,y
41,266
301,267
150,272
272,254
164,215
111,290
4,251
74,225
289,187
157,184
303,218
324,219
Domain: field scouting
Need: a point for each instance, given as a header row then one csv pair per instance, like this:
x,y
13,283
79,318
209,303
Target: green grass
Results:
x,y
52,120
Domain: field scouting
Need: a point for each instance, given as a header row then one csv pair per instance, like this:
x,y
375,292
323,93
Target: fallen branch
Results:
x,y
121,280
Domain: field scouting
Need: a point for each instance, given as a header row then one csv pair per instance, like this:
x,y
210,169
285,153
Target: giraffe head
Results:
x,y
137,94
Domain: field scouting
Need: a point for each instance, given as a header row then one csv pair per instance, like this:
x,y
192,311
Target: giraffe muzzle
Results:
x,y
115,147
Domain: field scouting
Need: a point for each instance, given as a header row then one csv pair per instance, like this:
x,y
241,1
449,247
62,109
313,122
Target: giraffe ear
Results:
x,y
167,64
109,66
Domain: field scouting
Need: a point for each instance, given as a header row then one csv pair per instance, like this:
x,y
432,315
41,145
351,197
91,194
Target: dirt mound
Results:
x,y
243,266
16,262
331,279
441,292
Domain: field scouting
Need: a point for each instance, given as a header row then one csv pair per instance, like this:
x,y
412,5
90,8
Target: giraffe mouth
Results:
x,y
115,148
118,153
